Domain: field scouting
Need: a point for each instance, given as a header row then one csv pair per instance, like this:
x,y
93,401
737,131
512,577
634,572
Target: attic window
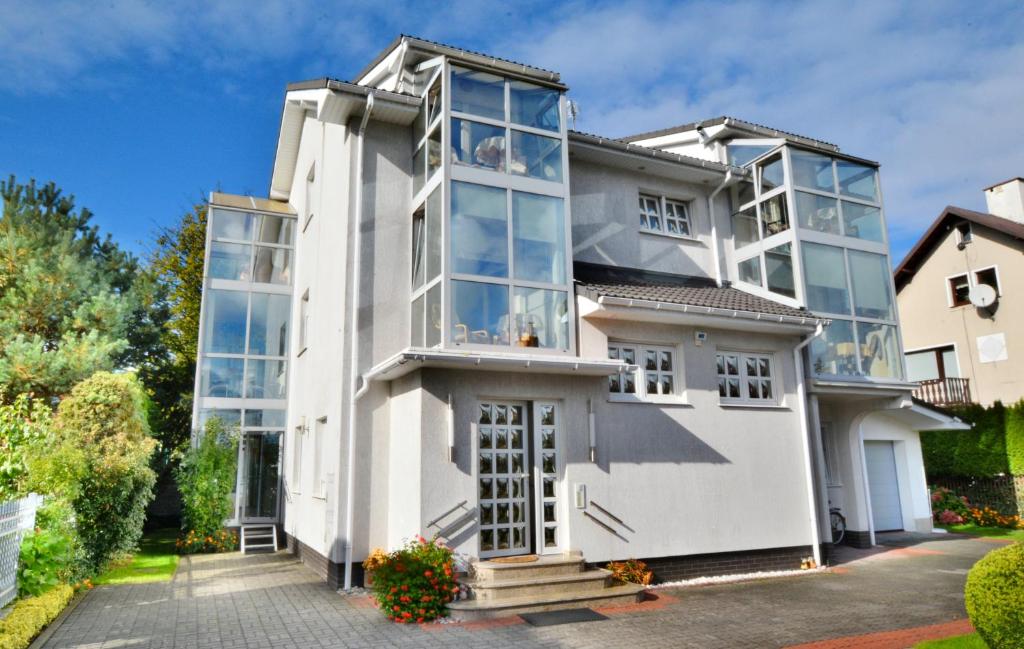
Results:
x,y
988,276
959,291
963,233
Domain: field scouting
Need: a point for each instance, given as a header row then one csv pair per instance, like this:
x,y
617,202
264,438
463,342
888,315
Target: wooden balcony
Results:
x,y
950,391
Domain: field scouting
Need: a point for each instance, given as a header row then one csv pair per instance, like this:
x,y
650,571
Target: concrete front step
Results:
x,y
540,585
475,609
487,572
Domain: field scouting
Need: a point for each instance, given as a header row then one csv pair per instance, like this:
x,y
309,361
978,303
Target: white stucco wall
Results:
x,y
910,474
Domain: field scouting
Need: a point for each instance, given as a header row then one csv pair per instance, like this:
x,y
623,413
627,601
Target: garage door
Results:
x,y
885,489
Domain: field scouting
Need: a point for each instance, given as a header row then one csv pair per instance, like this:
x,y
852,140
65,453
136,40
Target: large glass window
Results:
x,y
231,258
536,156
478,93
435,214
272,265
478,145
480,313
221,377
224,321
744,227
871,295
268,324
433,316
863,221
741,154
771,173
880,352
774,215
538,230
834,352
479,230
778,264
812,170
229,224
816,212
534,106
541,318
750,270
265,379
825,270
858,181
229,261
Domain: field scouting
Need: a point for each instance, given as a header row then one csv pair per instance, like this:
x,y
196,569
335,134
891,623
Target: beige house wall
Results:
x,y
928,320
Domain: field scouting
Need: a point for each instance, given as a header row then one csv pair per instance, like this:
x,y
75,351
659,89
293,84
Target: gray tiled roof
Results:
x,y
594,280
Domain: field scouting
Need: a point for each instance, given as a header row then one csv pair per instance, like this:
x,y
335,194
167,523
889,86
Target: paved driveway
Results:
x,y
274,601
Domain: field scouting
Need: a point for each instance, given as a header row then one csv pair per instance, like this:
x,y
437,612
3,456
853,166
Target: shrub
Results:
x,y
631,571
30,616
104,416
994,596
414,583
947,504
1015,437
981,451
988,517
44,558
23,424
206,479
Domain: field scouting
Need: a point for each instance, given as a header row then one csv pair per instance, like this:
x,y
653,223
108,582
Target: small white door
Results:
x,y
884,485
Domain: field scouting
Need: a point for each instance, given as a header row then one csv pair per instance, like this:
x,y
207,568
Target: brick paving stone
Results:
x,y
272,600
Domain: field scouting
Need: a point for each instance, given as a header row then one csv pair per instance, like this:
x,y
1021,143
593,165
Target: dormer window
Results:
x,y
664,216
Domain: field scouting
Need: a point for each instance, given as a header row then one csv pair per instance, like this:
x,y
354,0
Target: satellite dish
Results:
x,y
982,296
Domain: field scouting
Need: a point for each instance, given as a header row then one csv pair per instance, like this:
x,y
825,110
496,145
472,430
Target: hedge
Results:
x,y
30,616
981,451
1015,437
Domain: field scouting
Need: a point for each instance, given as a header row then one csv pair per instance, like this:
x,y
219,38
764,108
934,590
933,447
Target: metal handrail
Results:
x,y
611,516
437,520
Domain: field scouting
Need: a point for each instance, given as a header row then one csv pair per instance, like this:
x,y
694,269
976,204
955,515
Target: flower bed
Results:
x,y
31,615
414,583
950,509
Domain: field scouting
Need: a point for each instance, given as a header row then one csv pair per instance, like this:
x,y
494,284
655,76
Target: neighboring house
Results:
x,y
454,315
960,292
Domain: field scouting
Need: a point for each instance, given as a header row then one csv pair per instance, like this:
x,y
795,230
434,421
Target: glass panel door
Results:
x,y
260,476
547,470
503,479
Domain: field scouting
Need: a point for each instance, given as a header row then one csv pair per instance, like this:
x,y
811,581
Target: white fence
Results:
x,y
16,518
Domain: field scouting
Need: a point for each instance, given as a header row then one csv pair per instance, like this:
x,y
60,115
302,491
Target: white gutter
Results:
x,y
356,391
801,395
714,228
800,321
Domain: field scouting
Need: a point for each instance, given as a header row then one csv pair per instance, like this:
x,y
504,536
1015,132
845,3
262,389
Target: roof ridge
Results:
x,y
721,119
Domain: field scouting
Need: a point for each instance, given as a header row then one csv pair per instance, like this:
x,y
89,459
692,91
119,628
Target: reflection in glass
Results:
x,y
228,224
744,226
871,295
478,145
538,230
774,215
272,265
880,353
750,271
265,379
479,230
856,180
274,229
816,212
229,418
433,152
812,170
771,173
419,169
268,325
229,260
435,212
416,340
265,418
825,274
741,154
224,322
479,313
833,353
536,156
744,192
541,318
534,106
433,316
863,221
478,93
778,264
221,377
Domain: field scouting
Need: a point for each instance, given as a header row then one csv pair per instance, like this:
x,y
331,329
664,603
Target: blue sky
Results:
x,y
139,108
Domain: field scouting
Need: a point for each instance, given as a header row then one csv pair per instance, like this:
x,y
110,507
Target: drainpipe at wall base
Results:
x,y
356,390
801,389
714,228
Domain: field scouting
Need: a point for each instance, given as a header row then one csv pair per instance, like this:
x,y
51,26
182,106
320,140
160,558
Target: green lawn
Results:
x,y
969,641
156,560
996,532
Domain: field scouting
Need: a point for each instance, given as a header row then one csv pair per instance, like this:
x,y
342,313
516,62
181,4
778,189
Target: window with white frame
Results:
x,y
664,215
746,378
319,485
654,377
296,482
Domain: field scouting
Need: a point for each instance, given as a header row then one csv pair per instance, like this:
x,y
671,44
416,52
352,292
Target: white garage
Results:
x,y
883,485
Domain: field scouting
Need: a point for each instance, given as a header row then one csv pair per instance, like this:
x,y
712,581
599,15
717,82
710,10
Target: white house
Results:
x,y
455,315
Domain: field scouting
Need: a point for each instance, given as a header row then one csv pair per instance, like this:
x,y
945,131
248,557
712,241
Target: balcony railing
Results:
x,y
945,392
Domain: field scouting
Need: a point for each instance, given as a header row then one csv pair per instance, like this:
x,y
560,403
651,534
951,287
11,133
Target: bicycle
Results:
x,y
838,522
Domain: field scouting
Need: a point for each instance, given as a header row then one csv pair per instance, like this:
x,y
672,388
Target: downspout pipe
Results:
x,y
356,390
729,179
801,394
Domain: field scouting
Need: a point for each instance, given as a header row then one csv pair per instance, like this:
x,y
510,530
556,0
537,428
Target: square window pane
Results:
x,y
752,389
732,365
433,316
479,230
548,463
268,324
857,180
834,352
538,230
666,385
265,418
825,271
534,106
764,367
547,438
629,387
272,265
479,313
766,389
771,173
228,224
541,318
750,270
503,513
485,413
547,415
224,321
549,487
863,221
651,360
871,277
486,437
536,156
502,485
265,379
614,383
879,350
815,212
486,464
549,512
720,363
744,227
230,260
486,489
774,215
221,377
722,392
650,213
229,418
734,388
478,145
503,540
812,170
629,355
652,383
779,270
549,537
416,340
478,93
666,361
435,213
274,229
487,513
922,366
486,540
751,365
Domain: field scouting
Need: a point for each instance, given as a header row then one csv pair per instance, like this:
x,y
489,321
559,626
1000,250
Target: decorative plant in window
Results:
x,y
631,571
414,583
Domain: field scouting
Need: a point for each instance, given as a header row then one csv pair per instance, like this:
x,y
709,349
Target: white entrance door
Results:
x,y
884,485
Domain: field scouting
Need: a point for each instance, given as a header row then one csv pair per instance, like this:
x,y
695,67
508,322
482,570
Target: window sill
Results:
x,y
659,400
754,406
322,497
669,235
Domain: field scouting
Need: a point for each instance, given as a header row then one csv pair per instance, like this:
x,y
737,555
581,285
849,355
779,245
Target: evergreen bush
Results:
x,y
994,596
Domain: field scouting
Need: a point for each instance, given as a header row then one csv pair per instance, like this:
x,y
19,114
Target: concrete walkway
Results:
x,y
273,601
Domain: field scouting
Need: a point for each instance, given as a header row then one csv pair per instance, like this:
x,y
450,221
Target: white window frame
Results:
x,y
999,282
640,373
950,294
303,323
662,203
744,399
296,482
319,484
